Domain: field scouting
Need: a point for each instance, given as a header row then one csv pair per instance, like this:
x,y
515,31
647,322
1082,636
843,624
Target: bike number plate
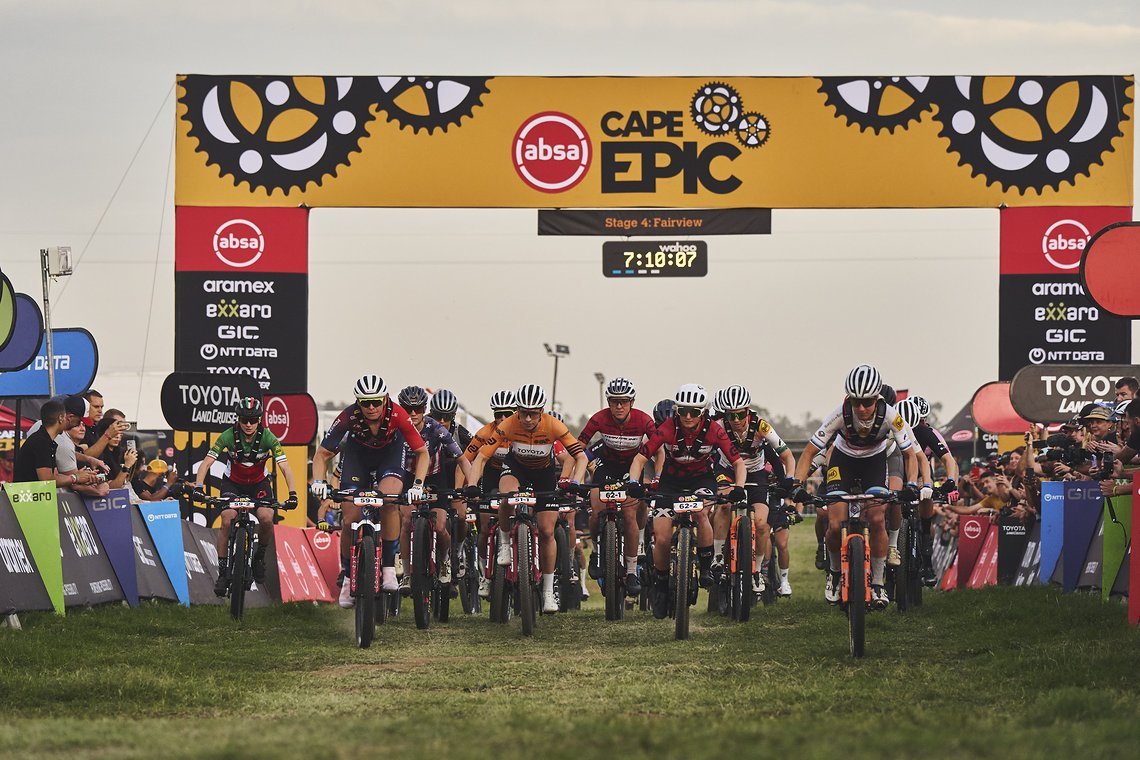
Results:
x,y
688,504
472,518
493,503
564,508
244,504
522,501
368,501
854,509
613,495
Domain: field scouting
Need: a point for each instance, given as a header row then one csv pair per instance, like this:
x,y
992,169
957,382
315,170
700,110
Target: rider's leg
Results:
x,y
223,539
632,536
876,522
405,511
762,531
662,540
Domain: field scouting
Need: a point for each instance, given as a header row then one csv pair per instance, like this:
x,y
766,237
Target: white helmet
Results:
x,y
620,388
557,415
923,407
370,386
733,397
502,401
444,402
530,396
863,382
691,394
909,411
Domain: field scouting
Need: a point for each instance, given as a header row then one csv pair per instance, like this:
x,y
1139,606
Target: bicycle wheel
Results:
x,y
526,579
365,591
240,552
771,576
684,571
742,596
614,589
914,526
382,606
563,586
856,592
900,591
422,580
575,581
469,583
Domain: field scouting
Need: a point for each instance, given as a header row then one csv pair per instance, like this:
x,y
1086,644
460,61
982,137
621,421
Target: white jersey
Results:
x,y
868,440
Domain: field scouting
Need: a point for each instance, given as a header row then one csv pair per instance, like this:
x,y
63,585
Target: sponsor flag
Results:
x,y
88,577
21,587
35,507
972,530
1052,527
1117,530
1028,572
1013,538
326,550
1083,508
985,566
111,517
301,578
163,522
152,578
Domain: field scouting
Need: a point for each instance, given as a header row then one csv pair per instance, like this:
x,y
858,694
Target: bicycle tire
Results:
x,y
742,596
562,584
422,581
615,591
526,579
365,591
576,589
500,602
681,589
901,588
916,562
240,552
441,592
382,604
857,593
469,583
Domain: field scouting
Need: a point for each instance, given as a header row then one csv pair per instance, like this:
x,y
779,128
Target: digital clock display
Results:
x,y
655,258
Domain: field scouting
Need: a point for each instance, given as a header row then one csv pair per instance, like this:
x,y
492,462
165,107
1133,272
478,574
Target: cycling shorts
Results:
x,y
544,479
845,472
489,483
613,472
756,487
895,464
672,485
364,467
260,490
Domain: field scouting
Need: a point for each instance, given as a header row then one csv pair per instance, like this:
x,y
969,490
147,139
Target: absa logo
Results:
x,y
1064,242
972,529
239,243
277,417
551,152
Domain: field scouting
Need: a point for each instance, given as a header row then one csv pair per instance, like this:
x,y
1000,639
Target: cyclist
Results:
x,y
443,407
690,441
250,446
748,433
623,429
371,435
502,406
863,425
934,445
531,435
779,520
413,400
663,410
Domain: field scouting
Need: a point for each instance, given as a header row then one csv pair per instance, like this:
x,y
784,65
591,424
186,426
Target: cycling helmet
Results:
x,y
715,411
691,394
909,412
923,407
620,388
863,382
732,397
530,396
502,401
413,395
889,395
1121,412
443,402
663,410
370,386
248,407
557,415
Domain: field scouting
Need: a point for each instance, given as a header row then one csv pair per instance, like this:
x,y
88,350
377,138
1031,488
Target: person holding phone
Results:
x,y
120,457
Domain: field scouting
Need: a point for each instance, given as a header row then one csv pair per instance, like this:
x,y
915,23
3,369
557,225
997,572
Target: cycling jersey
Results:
x,y
531,449
689,454
479,440
438,441
620,441
930,440
393,421
863,439
248,458
757,438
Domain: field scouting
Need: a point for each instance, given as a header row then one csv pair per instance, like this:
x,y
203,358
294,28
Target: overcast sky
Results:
x,y
87,92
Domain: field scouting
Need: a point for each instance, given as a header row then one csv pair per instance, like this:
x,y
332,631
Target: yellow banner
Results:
x,y
683,142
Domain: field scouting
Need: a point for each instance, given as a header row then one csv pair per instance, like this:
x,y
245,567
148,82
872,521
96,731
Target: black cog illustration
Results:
x,y
430,102
877,103
716,109
1031,132
753,130
278,133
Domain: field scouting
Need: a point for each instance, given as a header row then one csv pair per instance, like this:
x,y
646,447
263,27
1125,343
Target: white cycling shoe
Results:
x,y
445,570
759,584
503,554
831,590
879,598
785,588
484,588
388,580
346,601
894,559
549,603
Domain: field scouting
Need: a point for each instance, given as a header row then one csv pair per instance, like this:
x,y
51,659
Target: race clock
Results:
x,y
655,258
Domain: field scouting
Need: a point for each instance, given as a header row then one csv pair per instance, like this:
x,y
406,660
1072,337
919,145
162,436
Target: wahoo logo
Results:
x,y
239,243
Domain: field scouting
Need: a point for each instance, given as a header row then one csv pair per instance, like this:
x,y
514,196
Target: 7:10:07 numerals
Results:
x,y
659,259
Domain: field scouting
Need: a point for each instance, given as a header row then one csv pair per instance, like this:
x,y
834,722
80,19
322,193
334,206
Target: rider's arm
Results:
x,y
321,463
563,457
803,466
741,471
580,461
636,466
287,471
910,465
476,470
951,465
924,468
200,477
423,462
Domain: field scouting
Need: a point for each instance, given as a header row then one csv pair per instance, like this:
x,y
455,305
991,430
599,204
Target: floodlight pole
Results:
x,y
557,351
47,323
601,384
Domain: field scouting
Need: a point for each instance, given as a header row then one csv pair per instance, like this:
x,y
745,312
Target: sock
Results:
x,y
878,570
764,565
584,589
389,551
222,563
504,538
346,566
834,559
548,583
718,548
641,542
631,565
704,557
893,537
783,574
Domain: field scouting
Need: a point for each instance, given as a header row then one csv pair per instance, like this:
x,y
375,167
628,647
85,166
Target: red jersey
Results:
x,y
620,442
351,425
691,454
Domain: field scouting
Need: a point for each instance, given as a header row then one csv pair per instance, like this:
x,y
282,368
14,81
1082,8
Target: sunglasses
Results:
x,y
444,417
526,414
690,411
367,402
418,409
863,403
736,415
250,420
503,415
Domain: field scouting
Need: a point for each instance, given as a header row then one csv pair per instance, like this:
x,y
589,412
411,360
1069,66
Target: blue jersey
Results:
x,y
440,443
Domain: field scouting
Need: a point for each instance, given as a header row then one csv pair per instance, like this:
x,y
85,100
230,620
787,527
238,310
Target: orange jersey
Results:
x,y
534,449
479,440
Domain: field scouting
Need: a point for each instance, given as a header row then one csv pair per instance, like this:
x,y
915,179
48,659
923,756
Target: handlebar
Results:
x,y
238,502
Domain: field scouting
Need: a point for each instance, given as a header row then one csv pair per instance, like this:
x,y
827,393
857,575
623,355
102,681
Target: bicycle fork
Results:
x,y
376,563
846,568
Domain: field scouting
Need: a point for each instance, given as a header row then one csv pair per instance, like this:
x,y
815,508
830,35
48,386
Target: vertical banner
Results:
x,y
163,522
1117,530
153,582
326,550
972,530
242,293
111,517
88,578
21,588
1028,573
986,565
1052,527
1091,567
36,509
301,578
1013,536
1133,562
201,541
1083,502
1044,314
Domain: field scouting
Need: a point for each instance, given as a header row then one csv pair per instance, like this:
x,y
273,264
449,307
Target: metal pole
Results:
x,y
47,323
16,433
554,388
601,402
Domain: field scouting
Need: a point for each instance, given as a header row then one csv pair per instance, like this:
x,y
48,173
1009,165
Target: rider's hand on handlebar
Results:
x,y
800,495
950,490
471,492
926,493
291,502
319,489
909,492
415,492
566,484
794,517
737,494
635,489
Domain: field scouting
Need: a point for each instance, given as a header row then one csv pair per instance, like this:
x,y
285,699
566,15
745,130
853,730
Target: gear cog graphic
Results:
x,y
752,130
276,133
1031,132
877,103
716,109
430,102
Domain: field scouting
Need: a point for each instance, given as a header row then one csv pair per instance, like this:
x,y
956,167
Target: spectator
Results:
x,y
78,435
120,459
1128,453
97,443
1127,388
154,482
37,457
67,459
94,411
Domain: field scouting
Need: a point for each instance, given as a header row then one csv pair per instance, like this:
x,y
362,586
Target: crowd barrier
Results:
x,y
59,550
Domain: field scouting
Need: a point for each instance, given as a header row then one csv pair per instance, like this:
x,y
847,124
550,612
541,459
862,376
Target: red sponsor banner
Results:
x,y
985,567
292,417
972,530
1133,562
326,549
301,578
993,411
950,577
1110,270
241,240
1052,239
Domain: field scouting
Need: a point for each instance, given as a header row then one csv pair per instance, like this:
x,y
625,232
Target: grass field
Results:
x,y
1000,673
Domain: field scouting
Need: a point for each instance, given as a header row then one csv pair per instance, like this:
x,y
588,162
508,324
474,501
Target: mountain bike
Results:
x,y
430,596
468,578
567,571
372,603
611,544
